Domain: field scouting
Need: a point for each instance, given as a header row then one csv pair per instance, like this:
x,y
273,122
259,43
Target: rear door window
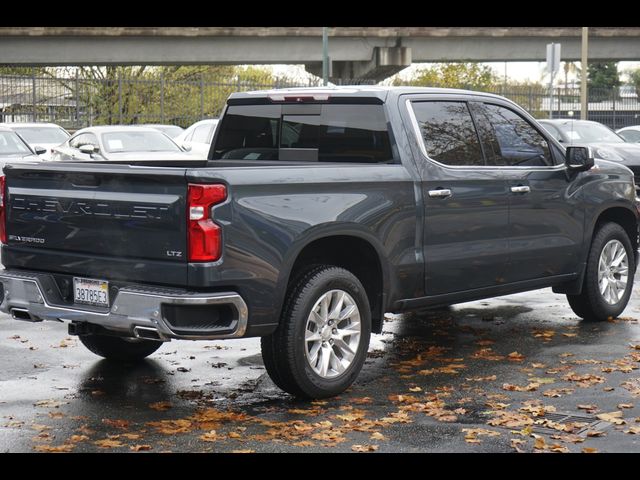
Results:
x,y
320,132
448,133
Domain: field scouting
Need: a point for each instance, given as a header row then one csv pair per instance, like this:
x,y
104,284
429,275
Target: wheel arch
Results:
x,y
351,248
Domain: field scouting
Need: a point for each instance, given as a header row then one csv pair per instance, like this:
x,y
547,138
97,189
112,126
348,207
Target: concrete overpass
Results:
x,y
356,52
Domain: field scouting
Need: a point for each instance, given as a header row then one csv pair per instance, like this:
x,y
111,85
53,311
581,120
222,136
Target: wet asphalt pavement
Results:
x,y
516,373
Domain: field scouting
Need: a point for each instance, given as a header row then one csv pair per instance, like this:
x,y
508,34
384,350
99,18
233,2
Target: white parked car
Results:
x,y
630,134
40,136
197,138
119,143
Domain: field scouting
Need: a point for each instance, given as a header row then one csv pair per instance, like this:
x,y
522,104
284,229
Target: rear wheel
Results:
x,y
119,348
323,337
608,280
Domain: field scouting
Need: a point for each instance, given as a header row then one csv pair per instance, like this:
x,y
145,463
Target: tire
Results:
x,y
593,304
293,354
118,348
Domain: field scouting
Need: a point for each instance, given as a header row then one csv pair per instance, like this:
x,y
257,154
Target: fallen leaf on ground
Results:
x,y
608,389
54,449
122,424
140,448
516,388
569,438
538,365
510,419
612,417
364,448
539,443
633,386
361,400
515,357
78,438
211,436
569,334
108,443
481,379
487,354
160,406
625,405
589,450
559,448
633,430
517,443
471,434
585,380
377,436
171,427
544,334
243,451
596,433
131,436
415,389
497,405
588,408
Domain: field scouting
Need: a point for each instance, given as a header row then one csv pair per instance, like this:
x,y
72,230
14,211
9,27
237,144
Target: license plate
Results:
x,y
91,292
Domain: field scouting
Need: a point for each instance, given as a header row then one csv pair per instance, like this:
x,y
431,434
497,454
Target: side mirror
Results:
x,y
186,147
39,150
579,159
88,149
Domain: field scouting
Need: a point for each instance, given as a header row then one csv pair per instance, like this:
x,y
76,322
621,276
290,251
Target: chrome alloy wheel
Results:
x,y
613,271
332,333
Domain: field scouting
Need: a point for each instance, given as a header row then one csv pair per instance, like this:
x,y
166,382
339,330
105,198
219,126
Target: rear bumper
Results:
x,y
135,311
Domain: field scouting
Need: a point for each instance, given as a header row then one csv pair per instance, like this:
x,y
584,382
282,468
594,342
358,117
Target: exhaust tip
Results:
x,y
148,333
23,314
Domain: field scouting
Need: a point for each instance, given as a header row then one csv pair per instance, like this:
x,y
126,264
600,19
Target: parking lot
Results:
x,y
517,373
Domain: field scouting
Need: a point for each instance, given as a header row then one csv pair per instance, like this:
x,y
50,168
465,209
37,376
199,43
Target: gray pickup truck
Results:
x,y
317,211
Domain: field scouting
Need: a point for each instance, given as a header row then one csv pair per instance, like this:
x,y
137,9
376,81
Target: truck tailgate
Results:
x,y
98,210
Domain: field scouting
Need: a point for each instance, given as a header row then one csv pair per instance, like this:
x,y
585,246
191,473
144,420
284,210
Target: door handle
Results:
x,y
440,193
521,189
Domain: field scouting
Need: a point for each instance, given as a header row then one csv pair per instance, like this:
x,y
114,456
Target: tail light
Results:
x,y
204,236
3,214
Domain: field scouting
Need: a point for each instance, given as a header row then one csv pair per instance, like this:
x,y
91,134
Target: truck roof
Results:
x,y
377,91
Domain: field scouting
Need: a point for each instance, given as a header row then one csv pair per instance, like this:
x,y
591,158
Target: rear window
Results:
x,y
311,132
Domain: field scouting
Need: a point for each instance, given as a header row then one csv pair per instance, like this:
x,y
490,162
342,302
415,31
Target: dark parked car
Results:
x,y
119,143
317,211
605,142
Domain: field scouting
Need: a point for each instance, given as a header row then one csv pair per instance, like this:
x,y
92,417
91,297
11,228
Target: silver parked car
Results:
x,y
606,144
197,138
41,137
14,149
119,143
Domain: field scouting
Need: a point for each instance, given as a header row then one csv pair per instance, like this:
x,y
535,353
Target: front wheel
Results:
x,y
321,343
608,280
119,348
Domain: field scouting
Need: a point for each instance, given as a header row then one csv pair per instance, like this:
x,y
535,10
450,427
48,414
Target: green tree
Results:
x,y
602,79
470,75
169,94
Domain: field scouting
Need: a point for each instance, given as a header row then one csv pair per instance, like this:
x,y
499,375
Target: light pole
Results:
x,y
583,79
325,56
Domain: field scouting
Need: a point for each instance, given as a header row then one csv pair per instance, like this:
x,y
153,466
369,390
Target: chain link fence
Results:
x,y
76,102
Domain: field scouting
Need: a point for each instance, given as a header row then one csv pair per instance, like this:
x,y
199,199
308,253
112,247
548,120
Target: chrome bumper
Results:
x,y
135,311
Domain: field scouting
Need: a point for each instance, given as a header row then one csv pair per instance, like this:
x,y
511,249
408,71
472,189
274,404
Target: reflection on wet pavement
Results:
x,y
517,373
